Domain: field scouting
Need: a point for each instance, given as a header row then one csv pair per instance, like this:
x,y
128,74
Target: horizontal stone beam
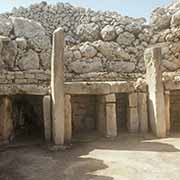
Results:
x,y
31,89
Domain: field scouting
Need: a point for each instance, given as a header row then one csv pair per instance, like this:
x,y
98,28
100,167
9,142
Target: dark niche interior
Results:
x,y
27,117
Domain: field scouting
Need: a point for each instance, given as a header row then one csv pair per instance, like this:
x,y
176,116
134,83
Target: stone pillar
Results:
x,y
156,91
6,121
68,119
133,121
142,112
57,86
47,118
111,121
167,110
101,115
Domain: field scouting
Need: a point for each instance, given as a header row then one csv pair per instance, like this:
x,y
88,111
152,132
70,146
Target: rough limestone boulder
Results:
x,y
8,52
160,19
32,31
87,50
5,26
125,39
176,19
111,50
88,32
86,66
28,61
108,33
121,66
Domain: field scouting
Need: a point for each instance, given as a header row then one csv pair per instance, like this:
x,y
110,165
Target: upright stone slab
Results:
x,y
167,111
142,112
101,114
6,121
133,121
156,91
68,119
57,86
111,122
47,118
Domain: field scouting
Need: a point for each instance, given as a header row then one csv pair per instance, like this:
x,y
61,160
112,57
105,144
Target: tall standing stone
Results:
x,y
167,110
156,91
6,121
57,86
47,118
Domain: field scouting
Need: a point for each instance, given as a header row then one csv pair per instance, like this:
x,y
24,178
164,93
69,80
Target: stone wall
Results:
x,y
165,22
99,45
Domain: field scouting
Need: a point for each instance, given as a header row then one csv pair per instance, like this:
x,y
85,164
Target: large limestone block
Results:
x,y
6,25
132,100
47,118
108,33
29,61
111,122
57,87
87,50
88,32
6,121
31,30
143,112
156,91
68,119
133,120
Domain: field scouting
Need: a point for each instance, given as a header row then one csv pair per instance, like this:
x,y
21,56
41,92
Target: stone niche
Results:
x,y
121,111
22,118
175,110
83,113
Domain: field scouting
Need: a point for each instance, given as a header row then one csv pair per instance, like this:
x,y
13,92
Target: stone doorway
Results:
x,y
27,116
121,111
175,111
83,115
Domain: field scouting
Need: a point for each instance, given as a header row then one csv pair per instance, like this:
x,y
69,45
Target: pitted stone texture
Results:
x,y
126,39
86,66
9,53
87,50
5,25
108,33
111,50
88,32
31,30
30,60
121,66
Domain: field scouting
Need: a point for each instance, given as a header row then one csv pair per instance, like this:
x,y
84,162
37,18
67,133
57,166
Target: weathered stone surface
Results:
x,y
9,53
88,32
133,100
143,112
31,30
21,43
176,19
29,61
121,66
5,26
125,38
160,19
45,59
87,50
108,33
156,91
111,50
133,120
85,66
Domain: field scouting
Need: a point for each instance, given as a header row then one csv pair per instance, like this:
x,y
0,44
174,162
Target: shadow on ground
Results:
x,y
36,162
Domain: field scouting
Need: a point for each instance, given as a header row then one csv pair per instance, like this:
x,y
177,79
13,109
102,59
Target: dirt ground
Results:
x,y
127,157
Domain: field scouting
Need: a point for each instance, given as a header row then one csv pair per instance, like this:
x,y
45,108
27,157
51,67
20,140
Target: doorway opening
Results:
x,y
121,111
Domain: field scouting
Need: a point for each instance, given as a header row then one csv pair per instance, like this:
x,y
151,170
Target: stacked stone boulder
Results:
x,y
165,22
99,45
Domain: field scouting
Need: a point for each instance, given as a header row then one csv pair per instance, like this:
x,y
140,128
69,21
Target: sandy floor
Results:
x,y
128,157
